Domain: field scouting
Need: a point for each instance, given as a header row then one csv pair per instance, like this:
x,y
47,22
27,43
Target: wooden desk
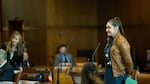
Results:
x,y
30,74
43,68
143,78
29,82
63,79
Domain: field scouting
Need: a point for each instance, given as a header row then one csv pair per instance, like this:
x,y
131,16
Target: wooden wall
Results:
x,y
48,23
135,15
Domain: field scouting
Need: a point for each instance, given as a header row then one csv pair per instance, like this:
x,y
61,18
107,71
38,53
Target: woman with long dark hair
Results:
x,y
89,74
118,61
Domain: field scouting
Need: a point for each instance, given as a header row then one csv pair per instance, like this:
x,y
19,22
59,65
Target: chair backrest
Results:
x,y
76,77
143,78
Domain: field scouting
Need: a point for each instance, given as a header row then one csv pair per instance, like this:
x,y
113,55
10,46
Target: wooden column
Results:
x,y
1,21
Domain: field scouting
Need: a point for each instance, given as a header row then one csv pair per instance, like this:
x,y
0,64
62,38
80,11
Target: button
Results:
x,y
106,55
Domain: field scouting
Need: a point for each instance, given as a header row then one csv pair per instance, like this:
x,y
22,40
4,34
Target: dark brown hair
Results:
x,y
89,74
60,46
117,22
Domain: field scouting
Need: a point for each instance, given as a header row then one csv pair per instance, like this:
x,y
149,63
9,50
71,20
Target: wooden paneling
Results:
x,y
48,23
130,11
135,15
71,12
1,21
77,37
36,44
59,21
33,12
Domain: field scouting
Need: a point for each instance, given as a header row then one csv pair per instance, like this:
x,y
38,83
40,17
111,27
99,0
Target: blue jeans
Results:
x,y
109,79
120,79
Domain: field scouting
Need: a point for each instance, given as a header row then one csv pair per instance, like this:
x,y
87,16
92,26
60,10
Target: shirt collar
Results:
x,y
3,63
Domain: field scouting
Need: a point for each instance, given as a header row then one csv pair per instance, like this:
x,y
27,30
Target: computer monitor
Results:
x,y
85,53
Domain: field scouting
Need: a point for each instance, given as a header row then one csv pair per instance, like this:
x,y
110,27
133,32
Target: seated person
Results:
x,y
14,50
89,74
63,56
6,70
26,62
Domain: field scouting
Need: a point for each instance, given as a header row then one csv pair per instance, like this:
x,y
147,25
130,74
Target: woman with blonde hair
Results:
x,y
89,74
14,49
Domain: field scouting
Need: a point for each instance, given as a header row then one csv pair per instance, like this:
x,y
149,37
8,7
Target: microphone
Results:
x,y
68,44
93,55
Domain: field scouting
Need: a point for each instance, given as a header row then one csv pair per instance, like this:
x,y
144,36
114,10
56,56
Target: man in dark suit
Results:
x,y
63,56
26,62
6,70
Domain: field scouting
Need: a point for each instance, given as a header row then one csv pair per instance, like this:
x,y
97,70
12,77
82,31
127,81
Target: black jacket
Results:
x,y
16,61
6,73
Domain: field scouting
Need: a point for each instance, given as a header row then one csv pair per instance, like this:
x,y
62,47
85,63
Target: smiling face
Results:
x,y
15,40
111,30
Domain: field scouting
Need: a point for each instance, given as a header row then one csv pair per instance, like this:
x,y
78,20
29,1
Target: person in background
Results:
x,y
89,74
26,61
14,49
63,56
6,70
118,61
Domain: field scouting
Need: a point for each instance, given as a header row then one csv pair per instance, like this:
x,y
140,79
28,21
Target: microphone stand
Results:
x,y
93,56
59,70
58,74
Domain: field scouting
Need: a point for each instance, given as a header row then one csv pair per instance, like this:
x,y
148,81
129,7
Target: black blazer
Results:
x,y
6,72
16,61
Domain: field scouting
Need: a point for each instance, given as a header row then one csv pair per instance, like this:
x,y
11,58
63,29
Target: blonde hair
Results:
x,y
19,45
